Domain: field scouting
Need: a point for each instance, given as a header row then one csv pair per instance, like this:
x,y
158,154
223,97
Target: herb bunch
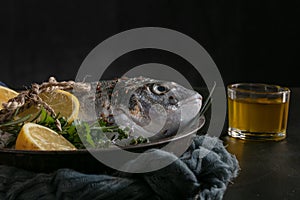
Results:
x,y
98,134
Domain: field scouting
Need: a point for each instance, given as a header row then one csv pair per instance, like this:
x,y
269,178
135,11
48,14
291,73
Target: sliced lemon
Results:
x,y
6,94
37,137
62,102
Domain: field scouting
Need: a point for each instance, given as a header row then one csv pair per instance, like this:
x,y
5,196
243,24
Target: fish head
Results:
x,y
160,107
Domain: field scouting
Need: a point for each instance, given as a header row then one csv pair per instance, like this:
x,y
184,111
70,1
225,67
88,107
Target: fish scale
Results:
x,y
104,90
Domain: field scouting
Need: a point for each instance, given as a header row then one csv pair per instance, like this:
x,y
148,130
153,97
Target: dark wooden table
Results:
x,y
269,170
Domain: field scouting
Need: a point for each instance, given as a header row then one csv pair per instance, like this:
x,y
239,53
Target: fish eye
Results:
x,y
159,89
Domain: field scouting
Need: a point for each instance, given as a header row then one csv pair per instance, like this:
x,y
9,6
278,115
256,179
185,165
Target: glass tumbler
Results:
x,y
257,111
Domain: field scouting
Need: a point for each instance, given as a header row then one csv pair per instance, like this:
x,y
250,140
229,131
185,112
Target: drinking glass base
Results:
x,y
255,136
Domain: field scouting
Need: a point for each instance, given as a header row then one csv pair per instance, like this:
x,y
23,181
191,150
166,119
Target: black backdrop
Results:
x,y
256,41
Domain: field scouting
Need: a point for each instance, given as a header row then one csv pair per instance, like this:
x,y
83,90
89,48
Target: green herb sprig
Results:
x,y
98,134
208,101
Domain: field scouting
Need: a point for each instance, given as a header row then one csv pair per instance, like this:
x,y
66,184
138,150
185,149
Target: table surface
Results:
x,y
269,170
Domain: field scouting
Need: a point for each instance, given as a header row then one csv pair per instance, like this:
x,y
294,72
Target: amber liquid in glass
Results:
x,y
258,116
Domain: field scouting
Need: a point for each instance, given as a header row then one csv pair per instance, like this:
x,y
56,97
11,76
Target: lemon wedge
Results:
x,y
37,137
62,102
6,94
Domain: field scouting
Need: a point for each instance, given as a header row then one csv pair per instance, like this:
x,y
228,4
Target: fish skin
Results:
x,y
151,108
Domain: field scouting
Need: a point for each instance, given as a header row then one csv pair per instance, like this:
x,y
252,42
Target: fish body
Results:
x,y
151,108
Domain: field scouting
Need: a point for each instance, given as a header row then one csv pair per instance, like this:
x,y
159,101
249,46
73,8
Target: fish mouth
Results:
x,y
196,99
190,108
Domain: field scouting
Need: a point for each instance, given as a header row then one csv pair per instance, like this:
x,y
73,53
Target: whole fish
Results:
x,y
150,108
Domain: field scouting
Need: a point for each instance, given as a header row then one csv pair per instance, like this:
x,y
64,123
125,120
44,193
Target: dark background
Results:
x,y
255,41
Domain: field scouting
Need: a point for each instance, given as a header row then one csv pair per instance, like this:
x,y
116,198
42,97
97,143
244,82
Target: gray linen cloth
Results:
x,y
202,172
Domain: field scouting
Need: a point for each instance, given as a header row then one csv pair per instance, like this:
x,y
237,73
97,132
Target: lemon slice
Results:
x,y
6,94
60,101
37,137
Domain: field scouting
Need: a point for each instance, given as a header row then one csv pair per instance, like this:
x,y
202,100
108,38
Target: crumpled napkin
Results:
x,y
202,172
